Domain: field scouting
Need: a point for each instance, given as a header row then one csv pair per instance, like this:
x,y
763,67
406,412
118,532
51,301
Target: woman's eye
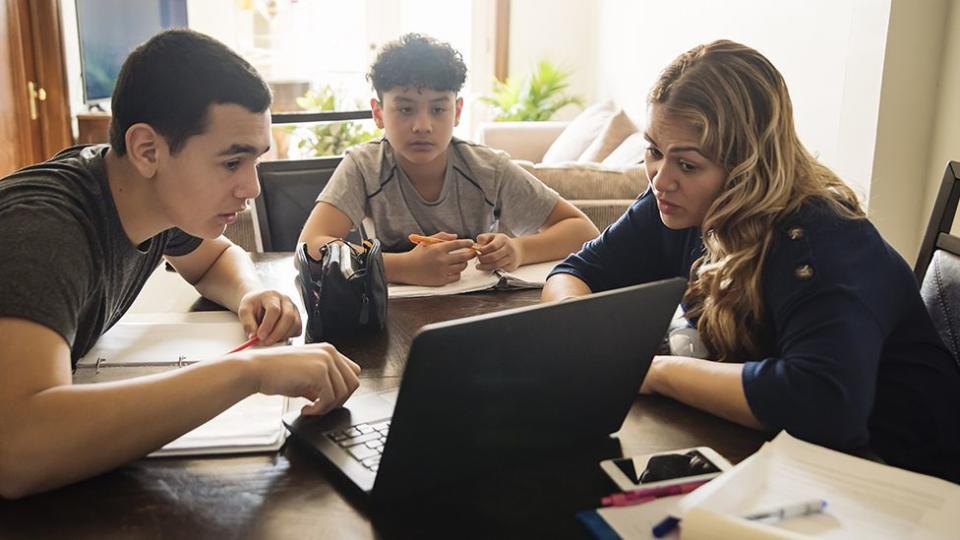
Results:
x,y
687,166
654,153
405,110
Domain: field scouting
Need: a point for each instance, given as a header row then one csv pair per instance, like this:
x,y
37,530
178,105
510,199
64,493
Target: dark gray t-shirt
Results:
x,y
66,262
480,182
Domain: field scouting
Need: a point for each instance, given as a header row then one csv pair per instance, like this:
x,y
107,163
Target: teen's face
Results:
x,y
684,181
203,187
418,123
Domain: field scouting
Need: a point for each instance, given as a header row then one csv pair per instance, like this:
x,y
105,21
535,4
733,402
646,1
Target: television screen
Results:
x,y
110,29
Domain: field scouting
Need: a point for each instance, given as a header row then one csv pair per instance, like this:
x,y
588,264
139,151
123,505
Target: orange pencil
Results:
x,y
420,239
245,344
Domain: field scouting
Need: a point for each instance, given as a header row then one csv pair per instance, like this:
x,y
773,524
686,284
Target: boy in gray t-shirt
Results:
x,y
419,179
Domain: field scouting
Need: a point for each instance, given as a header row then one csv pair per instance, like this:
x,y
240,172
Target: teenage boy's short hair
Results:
x,y
170,81
420,62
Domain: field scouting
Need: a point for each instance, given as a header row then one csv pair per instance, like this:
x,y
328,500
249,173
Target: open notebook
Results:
x,y
864,500
531,276
156,340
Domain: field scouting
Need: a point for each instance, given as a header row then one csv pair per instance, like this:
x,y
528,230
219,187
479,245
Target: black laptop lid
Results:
x,y
498,389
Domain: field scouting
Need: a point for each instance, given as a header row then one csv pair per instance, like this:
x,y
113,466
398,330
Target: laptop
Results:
x,y
498,390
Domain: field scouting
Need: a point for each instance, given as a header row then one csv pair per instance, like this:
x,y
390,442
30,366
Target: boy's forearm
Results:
x,y
395,267
67,433
229,278
557,241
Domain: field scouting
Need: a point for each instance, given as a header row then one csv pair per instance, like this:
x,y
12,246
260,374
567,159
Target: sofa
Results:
x,y
603,192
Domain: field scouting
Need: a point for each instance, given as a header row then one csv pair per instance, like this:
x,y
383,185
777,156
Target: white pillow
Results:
x,y
579,133
630,152
617,128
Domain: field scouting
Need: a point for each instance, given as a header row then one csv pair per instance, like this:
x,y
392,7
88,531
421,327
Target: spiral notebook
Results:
x,y
168,341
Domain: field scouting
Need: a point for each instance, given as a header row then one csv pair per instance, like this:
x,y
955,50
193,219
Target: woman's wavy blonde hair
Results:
x,y
739,103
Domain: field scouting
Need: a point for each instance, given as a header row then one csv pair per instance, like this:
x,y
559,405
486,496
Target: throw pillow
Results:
x,y
630,152
579,133
617,128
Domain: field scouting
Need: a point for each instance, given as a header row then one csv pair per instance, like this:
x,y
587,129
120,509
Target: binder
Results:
x,y
140,342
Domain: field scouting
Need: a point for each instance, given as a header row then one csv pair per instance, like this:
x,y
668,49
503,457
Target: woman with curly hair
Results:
x,y
799,315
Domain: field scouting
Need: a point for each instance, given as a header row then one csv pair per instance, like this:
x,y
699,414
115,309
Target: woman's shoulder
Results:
x,y
818,245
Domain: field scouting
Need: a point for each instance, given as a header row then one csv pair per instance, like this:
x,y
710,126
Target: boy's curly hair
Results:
x,y
420,62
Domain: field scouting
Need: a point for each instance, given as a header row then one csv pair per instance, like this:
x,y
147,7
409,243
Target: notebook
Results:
x,y
531,276
493,391
170,340
864,499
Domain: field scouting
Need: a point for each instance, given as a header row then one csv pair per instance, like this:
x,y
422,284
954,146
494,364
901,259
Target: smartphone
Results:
x,y
665,468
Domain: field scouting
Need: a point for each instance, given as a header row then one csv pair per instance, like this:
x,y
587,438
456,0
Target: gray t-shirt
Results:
x,y
479,183
67,263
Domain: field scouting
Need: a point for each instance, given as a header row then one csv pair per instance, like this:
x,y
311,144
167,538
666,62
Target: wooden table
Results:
x,y
294,494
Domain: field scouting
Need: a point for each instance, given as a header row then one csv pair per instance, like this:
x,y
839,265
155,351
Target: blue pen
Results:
x,y
773,515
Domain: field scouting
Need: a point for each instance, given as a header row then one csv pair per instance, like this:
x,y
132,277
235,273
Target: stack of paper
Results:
x,y
864,499
253,424
531,276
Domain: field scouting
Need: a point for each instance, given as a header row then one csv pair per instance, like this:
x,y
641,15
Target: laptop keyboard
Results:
x,y
364,442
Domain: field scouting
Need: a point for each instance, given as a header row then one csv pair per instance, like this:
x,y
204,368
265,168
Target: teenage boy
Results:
x,y
420,179
81,233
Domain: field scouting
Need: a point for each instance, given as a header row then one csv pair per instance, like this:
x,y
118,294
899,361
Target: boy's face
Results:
x,y
203,187
418,123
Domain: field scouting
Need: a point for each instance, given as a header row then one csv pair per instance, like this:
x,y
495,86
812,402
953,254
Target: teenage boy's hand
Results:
x,y
317,372
498,250
441,263
269,315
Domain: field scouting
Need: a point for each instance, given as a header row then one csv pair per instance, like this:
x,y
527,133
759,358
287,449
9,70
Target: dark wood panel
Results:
x,y
50,69
19,146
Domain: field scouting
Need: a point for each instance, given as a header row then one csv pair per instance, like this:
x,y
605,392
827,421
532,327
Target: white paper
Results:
x,y
253,424
530,276
864,499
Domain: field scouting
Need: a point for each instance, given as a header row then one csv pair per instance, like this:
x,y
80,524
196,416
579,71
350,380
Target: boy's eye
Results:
x,y
406,110
439,110
232,165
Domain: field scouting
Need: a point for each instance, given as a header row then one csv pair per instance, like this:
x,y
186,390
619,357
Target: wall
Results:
x,y
830,53
562,31
945,133
903,165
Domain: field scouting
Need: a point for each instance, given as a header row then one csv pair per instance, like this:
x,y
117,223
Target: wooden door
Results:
x,y
34,105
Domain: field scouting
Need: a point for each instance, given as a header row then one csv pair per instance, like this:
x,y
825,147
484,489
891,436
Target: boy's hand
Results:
x,y
441,263
316,372
269,315
498,250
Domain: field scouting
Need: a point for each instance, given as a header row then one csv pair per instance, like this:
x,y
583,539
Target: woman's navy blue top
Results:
x,y
855,359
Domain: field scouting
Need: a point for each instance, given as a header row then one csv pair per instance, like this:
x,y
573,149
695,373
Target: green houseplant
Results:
x,y
536,98
327,139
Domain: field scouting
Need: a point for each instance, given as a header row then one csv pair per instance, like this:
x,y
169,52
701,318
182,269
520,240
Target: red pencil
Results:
x,y
247,343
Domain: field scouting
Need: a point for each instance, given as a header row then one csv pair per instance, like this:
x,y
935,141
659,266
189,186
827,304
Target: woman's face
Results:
x,y
684,181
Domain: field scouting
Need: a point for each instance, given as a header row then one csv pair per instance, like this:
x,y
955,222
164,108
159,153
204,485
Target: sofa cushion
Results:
x,y
617,128
579,133
630,152
575,181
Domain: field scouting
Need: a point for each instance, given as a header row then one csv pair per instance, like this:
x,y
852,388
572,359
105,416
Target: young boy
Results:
x,y
419,179
81,233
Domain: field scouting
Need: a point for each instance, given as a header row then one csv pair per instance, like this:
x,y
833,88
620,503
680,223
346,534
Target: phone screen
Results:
x,y
647,469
